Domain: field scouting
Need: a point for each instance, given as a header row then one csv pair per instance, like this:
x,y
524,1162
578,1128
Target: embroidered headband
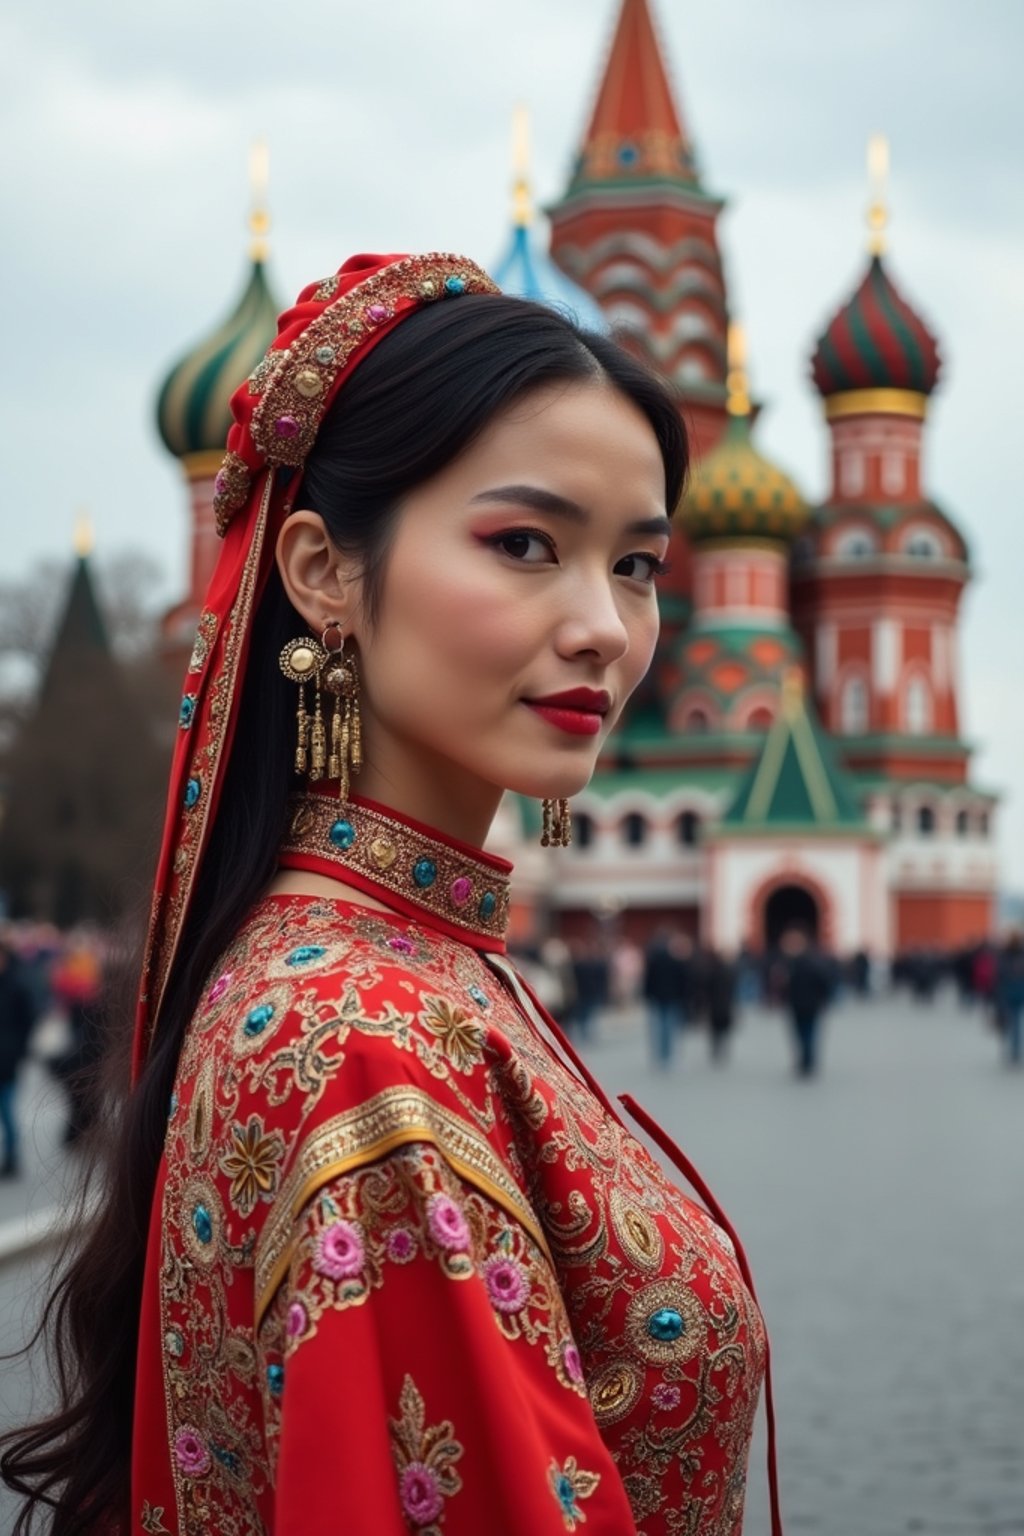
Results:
x,y
333,325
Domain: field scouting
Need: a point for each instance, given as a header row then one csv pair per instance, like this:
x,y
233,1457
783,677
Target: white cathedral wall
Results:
x,y
850,874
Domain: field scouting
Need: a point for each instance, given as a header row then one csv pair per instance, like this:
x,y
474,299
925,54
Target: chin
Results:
x,y
561,783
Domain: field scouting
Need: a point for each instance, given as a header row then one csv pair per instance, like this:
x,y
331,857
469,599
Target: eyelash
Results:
x,y
496,540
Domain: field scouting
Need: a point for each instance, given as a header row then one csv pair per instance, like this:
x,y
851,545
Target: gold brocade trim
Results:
x,y
465,890
876,402
393,1118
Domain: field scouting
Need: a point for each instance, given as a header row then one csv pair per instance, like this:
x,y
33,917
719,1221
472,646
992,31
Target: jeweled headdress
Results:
x,y
278,410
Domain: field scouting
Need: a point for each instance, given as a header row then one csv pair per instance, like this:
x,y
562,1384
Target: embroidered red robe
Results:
x,y
407,1273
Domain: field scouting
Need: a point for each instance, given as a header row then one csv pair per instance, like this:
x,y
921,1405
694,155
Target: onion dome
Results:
x,y
194,405
736,491
526,272
876,354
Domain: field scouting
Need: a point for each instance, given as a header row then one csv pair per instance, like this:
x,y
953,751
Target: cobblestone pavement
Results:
x,y
881,1208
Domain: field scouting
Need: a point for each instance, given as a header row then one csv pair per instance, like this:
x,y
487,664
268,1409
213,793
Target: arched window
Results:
x,y
688,829
852,473
923,544
983,823
854,707
963,823
634,830
759,719
925,820
855,544
697,721
582,830
918,707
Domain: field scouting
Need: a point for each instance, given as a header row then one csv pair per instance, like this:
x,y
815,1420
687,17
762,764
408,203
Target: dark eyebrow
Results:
x,y
560,506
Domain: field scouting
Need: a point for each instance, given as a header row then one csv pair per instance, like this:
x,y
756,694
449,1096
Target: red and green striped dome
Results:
x,y
876,341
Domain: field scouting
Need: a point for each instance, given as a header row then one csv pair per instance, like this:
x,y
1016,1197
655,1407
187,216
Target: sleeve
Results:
x,y
420,1371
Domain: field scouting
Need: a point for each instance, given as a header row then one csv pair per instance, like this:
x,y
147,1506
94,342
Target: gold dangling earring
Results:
x,y
301,661
341,678
557,829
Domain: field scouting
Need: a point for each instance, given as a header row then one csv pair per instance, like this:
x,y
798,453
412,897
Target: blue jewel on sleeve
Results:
x,y
202,1224
666,1324
454,286
479,996
424,872
488,905
257,1019
342,833
275,1379
193,789
305,954
187,711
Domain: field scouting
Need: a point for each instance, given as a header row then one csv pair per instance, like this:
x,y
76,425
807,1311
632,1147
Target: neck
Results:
x,y
430,789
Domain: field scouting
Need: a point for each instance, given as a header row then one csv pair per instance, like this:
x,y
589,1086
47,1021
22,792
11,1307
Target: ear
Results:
x,y
322,584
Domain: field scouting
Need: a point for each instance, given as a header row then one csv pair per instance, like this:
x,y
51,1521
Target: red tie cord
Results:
x,y
672,1152
682,1162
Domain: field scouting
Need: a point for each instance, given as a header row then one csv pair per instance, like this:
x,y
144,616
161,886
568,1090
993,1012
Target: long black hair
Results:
x,y
412,406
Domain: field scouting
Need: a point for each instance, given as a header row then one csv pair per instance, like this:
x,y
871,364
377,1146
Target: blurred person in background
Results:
x,y
17,1017
720,986
590,977
77,982
806,989
1009,996
667,990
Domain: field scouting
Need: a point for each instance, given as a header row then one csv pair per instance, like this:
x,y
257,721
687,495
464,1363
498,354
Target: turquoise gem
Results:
x,y
665,1325
175,1343
488,905
172,1107
566,1495
257,1019
202,1224
455,285
342,834
193,789
324,355
305,953
424,872
226,1458
275,1379
187,711
479,997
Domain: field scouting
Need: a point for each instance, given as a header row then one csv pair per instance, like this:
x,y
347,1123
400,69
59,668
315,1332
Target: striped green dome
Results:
x,y
193,411
736,491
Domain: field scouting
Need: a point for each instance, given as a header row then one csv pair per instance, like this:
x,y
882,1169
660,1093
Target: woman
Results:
x,y
379,1256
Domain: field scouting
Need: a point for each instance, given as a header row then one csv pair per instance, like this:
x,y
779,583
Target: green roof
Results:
x,y
796,783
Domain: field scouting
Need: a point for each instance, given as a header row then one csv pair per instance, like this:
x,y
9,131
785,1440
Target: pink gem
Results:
x,y
377,314
219,987
573,1364
220,483
403,946
286,426
461,891
297,1319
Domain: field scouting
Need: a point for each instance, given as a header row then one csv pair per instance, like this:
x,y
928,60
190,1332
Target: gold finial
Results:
x,y
522,208
259,215
736,379
878,210
84,539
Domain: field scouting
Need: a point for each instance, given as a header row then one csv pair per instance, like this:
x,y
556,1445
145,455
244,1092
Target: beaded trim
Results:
x,y
467,890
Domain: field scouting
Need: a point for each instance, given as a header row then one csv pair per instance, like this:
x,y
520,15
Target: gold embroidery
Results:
x,y
395,1117
569,1484
424,1460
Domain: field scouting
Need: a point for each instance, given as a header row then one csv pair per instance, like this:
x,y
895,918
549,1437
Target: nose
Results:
x,y
591,623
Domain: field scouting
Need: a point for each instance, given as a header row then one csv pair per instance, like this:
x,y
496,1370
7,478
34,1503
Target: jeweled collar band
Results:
x,y
407,865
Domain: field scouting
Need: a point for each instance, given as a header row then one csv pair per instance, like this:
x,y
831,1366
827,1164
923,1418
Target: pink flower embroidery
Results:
x,y
297,1319
190,1452
219,987
340,1252
507,1282
422,1499
665,1396
573,1364
447,1224
402,945
401,1246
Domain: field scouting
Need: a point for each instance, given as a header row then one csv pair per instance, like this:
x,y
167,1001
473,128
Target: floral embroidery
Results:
x,y
666,1396
569,1484
424,1460
152,1519
190,1452
461,1035
447,1224
508,1284
340,1253
252,1164
401,1245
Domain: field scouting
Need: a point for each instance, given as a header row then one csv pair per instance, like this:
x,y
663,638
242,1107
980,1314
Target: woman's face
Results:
x,y
523,573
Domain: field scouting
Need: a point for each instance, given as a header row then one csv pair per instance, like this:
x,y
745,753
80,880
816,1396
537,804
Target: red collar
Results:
x,y
412,868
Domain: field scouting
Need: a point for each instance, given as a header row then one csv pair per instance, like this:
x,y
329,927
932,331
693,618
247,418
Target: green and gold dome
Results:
x,y
736,491
193,410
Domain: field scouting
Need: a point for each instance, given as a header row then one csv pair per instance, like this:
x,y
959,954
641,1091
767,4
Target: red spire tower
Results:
x,y
637,229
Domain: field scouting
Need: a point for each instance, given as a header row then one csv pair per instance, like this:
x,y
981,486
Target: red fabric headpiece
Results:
x,y
277,411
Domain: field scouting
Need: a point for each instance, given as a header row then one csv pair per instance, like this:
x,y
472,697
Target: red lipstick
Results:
x,y
579,711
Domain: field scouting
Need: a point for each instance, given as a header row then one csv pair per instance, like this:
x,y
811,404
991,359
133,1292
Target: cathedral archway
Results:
x,y
791,899
790,906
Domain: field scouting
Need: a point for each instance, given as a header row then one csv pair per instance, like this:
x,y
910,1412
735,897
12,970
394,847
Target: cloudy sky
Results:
x,y
123,147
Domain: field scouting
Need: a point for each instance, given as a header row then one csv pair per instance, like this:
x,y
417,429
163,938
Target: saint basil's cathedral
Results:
x,y
795,756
